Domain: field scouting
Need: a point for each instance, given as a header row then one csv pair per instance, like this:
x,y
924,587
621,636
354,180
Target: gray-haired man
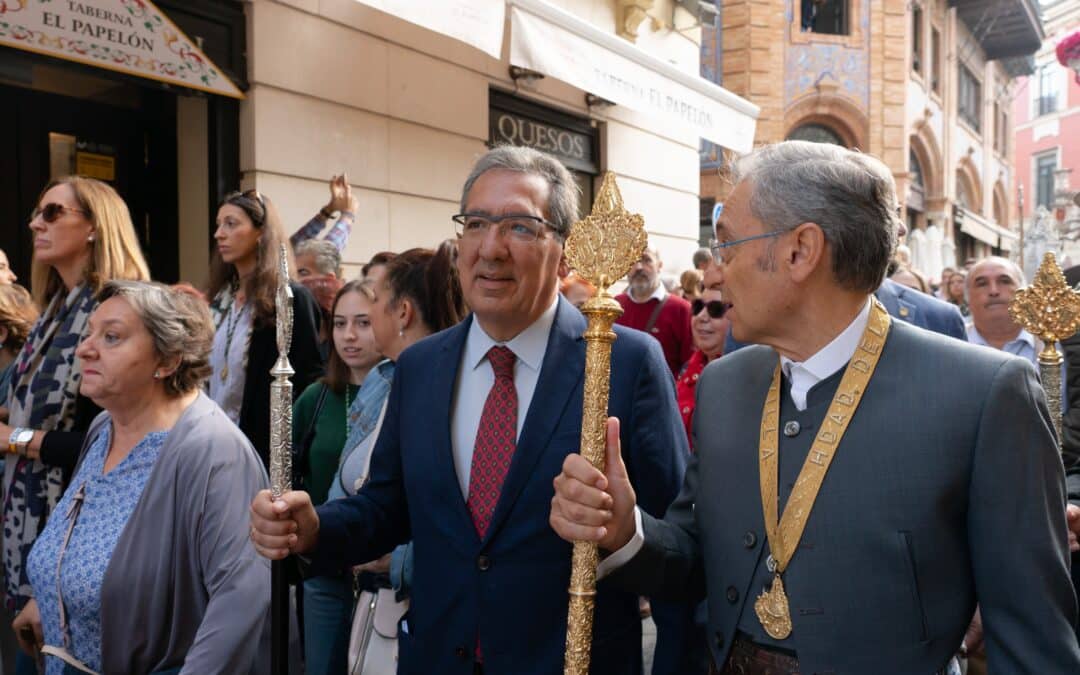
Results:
x,y
830,536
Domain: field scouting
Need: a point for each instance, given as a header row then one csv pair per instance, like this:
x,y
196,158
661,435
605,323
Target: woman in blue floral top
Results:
x,y
145,567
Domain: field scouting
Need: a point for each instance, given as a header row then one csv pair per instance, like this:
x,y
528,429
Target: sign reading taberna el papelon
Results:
x,y
128,36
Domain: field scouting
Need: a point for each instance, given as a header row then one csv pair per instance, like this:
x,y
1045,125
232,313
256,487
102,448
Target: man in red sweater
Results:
x,y
649,307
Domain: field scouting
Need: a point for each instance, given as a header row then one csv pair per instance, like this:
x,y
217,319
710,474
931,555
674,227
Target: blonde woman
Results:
x,y
83,238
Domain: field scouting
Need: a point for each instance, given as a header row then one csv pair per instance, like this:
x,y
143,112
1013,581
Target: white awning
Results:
x,y
132,38
552,41
976,226
478,23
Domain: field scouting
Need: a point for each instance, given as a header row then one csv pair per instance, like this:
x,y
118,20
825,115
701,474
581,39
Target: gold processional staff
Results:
x,y
601,248
281,461
1049,310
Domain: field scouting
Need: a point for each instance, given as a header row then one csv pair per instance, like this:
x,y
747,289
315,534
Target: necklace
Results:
x,y
348,391
232,317
772,607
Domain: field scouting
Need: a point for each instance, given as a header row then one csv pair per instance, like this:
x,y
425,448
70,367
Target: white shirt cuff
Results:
x,y
624,554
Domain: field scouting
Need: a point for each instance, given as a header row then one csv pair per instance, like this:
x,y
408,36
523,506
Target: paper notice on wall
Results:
x,y
553,42
475,22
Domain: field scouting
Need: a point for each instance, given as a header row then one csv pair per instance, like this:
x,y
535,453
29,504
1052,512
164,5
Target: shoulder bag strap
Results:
x,y
655,314
300,461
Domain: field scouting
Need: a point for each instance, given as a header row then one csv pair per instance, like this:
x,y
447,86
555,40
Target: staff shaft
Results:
x,y
601,312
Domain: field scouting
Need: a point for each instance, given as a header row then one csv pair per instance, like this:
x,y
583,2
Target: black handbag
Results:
x,y
301,453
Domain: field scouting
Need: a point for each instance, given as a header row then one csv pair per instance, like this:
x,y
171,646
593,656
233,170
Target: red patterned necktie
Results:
x,y
496,439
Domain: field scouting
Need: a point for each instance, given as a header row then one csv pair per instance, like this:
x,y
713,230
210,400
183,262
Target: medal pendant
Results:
x,y
773,611
224,373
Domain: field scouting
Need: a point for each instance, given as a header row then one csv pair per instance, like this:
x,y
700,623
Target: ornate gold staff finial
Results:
x,y
1049,310
601,248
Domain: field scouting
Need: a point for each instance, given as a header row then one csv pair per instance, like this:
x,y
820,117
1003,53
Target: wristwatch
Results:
x,y
326,213
18,441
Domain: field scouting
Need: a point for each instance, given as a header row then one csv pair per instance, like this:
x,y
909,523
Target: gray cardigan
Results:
x,y
184,585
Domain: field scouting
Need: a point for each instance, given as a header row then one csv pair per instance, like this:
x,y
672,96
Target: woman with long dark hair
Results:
x,y
244,274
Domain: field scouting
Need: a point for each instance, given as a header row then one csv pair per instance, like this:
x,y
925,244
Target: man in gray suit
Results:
x,y
900,476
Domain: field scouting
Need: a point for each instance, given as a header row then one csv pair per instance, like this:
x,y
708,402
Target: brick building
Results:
x,y
923,85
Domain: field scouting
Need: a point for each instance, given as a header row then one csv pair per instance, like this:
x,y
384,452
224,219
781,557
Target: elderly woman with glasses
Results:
x,y
146,567
709,327
244,274
83,238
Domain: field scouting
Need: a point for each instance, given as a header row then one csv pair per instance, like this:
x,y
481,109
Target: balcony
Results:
x,y
1004,28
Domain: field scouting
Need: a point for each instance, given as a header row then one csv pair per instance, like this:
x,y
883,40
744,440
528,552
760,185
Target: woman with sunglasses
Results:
x,y
83,238
244,274
709,328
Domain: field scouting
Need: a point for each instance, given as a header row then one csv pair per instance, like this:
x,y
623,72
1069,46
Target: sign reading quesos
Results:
x,y
128,36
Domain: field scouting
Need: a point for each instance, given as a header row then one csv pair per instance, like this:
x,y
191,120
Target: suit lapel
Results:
x,y
562,369
440,398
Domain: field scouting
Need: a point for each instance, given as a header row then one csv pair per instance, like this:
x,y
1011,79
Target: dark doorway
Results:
x,y
132,146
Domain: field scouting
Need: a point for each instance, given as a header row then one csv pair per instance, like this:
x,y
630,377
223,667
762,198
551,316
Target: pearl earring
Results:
x,y
401,332
157,375
90,238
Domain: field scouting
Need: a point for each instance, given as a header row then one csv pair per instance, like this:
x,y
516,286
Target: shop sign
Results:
x,y
573,148
128,36
475,22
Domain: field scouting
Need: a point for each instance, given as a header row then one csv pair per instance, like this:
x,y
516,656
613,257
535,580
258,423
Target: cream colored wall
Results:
x,y
337,86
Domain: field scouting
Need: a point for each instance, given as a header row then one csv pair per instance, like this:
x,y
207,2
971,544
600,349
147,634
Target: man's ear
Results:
x,y
805,251
564,267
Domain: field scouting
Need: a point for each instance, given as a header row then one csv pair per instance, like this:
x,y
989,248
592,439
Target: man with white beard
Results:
x,y
649,307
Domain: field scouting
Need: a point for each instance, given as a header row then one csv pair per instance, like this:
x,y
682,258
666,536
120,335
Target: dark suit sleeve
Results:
x,y
304,352
1016,530
952,322
372,522
669,564
654,442
1070,421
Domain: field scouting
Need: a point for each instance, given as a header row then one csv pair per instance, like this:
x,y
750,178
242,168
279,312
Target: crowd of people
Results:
x,y
436,423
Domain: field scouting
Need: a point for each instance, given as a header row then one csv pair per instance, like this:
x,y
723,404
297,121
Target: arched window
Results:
x,y
916,170
815,133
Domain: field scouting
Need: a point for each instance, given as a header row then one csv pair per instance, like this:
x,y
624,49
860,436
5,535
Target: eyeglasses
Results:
x,y
50,212
716,246
521,228
716,308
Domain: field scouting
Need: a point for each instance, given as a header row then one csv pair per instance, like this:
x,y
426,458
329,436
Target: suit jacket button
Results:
x,y
719,640
732,594
749,540
791,428
461,652
483,563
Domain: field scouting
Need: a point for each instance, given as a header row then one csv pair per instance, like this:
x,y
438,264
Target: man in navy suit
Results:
x,y
479,421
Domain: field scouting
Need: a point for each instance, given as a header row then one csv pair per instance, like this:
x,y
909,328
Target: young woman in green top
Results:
x,y
321,410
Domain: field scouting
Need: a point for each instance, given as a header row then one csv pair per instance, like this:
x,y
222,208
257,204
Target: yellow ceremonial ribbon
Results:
x,y
784,534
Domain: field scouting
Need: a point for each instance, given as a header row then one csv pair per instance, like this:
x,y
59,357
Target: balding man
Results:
x,y
647,306
991,284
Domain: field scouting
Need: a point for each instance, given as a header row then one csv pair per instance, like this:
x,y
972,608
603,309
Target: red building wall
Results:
x,y
1066,138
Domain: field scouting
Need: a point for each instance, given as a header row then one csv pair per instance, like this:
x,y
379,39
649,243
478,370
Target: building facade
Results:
x,y
1047,113
402,99
924,85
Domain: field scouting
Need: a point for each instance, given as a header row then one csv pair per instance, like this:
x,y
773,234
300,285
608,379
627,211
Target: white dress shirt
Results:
x,y
475,378
1024,344
803,376
826,361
